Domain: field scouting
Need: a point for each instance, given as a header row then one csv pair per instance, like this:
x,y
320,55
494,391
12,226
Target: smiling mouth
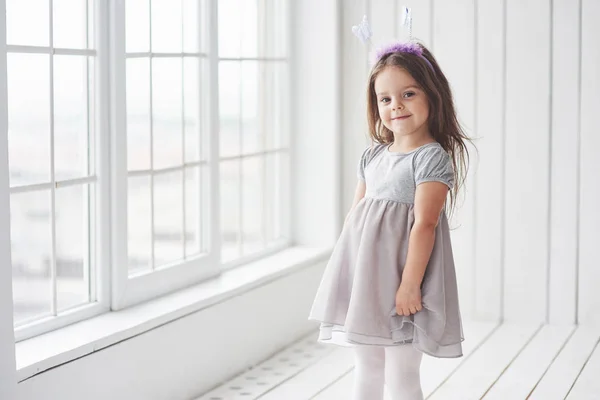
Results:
x,y
400,118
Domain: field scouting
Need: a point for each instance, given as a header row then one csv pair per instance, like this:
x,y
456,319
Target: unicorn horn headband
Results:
x,y
364,33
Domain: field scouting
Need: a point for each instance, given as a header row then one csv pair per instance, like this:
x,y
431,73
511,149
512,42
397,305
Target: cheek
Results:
x,y
424,109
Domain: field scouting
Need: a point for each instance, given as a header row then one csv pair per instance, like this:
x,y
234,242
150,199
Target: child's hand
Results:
x,y
408,300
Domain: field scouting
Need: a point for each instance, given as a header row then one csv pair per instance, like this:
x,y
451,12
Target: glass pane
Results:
x,y
71,144
168,218
138,114
166,26
230,28
190,26
249,11
31,246
139,223
191,103
252,139
230,210
70,23
137,26
252,205
26,27
73,241
274,113
229,107
28,118
276,201
273,34
167,112
193,207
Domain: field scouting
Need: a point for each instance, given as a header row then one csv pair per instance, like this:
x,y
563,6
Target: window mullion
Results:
x,y
117,155
53,272
90,275
184,170
213,129
102,249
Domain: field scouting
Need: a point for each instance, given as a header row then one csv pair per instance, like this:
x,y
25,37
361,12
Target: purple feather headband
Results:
x,y
364,33
401,47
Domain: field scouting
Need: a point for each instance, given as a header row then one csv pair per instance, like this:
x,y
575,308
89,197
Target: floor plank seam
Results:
x,y
332,383
296,355
292,376
551,362
513,359
582,368
489,335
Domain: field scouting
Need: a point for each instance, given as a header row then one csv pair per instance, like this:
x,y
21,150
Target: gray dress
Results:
x,y
355,301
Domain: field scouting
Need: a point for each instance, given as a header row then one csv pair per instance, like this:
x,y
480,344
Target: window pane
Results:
x,y
252,139
230,28
193,211
25,26
229,107
139,223
191,104
191,26
249,20
70,23
167,112
73,241
31,247
276,201
230,210
168,218
138,114
28,118
166,26
273,112
137,26
252,205
273,34
71,144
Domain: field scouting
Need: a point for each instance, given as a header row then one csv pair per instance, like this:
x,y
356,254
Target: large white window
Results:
x,y
148,148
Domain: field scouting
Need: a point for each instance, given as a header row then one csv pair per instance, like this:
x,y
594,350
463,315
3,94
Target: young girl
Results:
x,y
389,289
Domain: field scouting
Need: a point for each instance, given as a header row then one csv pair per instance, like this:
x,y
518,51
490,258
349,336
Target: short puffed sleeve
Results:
x,y
433,164
362,164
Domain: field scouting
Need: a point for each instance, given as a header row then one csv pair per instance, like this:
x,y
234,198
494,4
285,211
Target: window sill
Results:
x,y
52,349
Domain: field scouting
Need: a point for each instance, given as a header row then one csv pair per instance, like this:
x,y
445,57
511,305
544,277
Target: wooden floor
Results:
x,y
508,361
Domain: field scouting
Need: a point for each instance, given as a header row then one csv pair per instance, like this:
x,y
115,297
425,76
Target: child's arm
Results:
x,y
429,201
359,193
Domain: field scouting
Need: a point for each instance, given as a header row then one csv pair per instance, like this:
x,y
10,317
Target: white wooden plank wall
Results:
x,y
488,182
526,81
527,158
589,228
566,26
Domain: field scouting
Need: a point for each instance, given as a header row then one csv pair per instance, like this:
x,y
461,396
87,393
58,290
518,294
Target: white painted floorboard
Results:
x,y
563,372
508,361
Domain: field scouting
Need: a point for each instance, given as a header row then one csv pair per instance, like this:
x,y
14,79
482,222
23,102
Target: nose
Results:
x,y
398,107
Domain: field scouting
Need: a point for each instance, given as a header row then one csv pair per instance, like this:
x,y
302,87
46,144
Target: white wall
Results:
x,y
526,80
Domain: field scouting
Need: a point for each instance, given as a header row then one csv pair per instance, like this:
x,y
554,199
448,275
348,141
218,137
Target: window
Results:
x,y
141,159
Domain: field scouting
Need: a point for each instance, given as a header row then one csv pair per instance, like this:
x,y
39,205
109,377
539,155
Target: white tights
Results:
x,y
397,366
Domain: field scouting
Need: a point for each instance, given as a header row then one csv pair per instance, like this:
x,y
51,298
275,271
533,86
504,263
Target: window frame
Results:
x,y
114,288
129,290
99,285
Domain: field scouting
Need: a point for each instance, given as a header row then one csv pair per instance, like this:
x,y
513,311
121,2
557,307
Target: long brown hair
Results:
x,y
442,122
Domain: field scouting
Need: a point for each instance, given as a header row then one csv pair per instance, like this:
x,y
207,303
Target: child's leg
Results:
x,y
402,372
369,373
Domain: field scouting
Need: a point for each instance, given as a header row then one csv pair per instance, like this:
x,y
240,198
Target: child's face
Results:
x,y
403,106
